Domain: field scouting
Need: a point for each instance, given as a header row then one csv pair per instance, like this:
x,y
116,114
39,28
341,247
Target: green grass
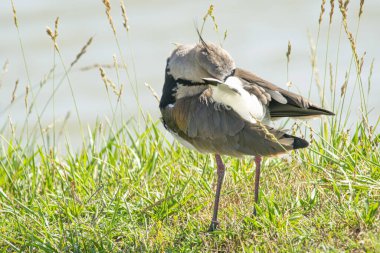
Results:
x,y
129,190
151,195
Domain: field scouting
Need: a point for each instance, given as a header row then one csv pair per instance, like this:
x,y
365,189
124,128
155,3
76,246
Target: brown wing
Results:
x,y
283,103
223,131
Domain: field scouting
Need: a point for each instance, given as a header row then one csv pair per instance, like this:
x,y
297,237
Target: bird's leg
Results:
x,y
257,181
220,171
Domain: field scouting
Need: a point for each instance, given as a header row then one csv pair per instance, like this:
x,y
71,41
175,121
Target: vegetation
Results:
x,y
134,190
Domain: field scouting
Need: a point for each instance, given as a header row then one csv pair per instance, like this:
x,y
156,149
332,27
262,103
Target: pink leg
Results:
x,y
257,181
221,171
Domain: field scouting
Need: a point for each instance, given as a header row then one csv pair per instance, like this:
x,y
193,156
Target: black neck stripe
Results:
x,y
188,82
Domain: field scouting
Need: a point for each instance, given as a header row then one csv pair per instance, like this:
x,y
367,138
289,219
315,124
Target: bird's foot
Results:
x,y
213,226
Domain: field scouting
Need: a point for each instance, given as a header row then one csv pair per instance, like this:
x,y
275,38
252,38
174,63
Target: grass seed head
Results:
x,y
332,83
27,88
361,8
288,52
331,10
322,11
15,20
109,17
124,15
154,93
344,86
53,35
14,92
82,51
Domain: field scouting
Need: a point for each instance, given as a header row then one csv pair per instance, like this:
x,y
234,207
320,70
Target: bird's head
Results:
x,y
190,65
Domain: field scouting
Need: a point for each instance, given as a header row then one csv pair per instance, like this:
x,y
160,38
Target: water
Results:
x,y
257,37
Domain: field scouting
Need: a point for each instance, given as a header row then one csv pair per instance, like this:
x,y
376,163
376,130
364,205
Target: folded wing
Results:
x,y
282,103
220,130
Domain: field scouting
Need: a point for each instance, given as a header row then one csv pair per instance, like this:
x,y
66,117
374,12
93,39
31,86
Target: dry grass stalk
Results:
x,y
268,135
370,75
64,123
47,76
343,10
361,62
288,52
104,77
313,59
14,92
104,66
53,35
14,14
108,83
344,86
108,13
119,92
56,27
225,35
361,8
124,15
311,136
5,67
3,71
153,92
295,128
82,51
322,11
27,88
331,10
313,50
11,125
332,83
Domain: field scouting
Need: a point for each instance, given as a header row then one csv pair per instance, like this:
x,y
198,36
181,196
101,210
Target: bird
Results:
x,y
210,105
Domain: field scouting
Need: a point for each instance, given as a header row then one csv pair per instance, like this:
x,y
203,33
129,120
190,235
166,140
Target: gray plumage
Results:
x,y
214,107
215,128
222,130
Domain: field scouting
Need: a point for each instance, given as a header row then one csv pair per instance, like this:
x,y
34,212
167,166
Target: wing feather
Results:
x,y
283,103
223,131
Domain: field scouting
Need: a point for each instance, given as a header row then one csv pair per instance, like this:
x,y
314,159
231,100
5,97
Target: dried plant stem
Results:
x,y
358,62
55,88
326,57
54,36
124,15
331,10
134,88
4,70
14,92
322,11
29,83
109,17
370,76
154,93
361,8
288,52
82,51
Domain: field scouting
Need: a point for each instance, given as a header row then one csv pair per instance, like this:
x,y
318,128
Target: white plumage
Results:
x,y
232,94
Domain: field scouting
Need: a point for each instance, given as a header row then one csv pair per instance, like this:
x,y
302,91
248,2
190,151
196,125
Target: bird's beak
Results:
x,y
212,81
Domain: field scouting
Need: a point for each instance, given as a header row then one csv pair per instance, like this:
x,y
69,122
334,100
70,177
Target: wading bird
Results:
x,y
212,106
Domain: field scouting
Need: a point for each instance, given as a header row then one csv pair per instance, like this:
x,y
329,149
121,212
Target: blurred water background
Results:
x,y
257,37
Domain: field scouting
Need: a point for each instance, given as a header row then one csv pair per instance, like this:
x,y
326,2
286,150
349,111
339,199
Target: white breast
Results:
x,y
232,94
